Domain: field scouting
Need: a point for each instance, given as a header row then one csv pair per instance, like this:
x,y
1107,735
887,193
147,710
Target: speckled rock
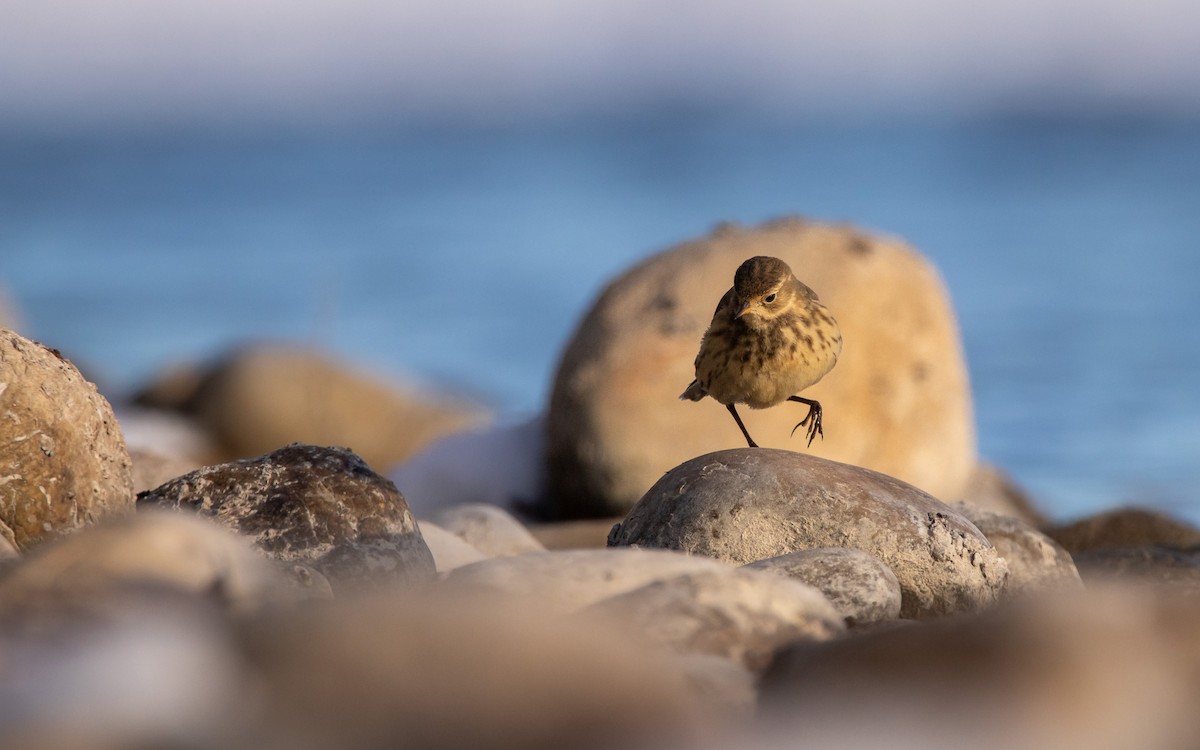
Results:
x,y
450,551
734,613
310,505
151,550
859,585
1080,669
63,462
749,504
569,580
475,673
260,397
1125,528
898,400
489,529
1034,559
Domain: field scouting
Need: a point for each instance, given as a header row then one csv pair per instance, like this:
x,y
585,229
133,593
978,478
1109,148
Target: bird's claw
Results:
x,y
813,420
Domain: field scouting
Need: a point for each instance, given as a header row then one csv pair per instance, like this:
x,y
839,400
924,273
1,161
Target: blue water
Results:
x,y
465,257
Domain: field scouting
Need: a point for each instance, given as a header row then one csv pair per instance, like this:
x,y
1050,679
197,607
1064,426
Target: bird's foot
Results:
x,y
813,420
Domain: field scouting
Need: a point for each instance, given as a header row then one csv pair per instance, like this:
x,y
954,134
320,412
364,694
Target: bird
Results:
x,y
769,339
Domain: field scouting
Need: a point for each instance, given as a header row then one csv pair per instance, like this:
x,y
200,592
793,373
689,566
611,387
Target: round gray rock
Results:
x,y
310,505
569,580
858,584
749,504
63,462
737,614
1034,559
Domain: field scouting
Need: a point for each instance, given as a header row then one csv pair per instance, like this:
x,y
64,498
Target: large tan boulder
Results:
x,y
259,398
63,462
898,400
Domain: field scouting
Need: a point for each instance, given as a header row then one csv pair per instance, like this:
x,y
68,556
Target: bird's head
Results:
x,y
763,288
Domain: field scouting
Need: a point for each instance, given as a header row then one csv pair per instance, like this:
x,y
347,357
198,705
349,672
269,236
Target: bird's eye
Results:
x,y
769,298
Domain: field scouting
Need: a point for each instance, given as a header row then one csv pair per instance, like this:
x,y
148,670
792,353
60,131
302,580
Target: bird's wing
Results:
x,y
805,290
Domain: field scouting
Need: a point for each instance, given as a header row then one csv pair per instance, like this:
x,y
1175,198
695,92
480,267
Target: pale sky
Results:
x,y
130,61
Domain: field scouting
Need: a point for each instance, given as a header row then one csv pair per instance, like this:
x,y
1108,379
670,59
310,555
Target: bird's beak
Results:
x,y
742,312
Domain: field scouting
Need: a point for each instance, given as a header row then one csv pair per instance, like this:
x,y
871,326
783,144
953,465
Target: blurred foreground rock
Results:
x,y
750,504
261,397
309,506
1107,668
63,462
89,574
461,675
898,400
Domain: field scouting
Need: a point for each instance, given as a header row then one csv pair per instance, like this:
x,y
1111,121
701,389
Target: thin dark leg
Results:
x,y
814,414
738,419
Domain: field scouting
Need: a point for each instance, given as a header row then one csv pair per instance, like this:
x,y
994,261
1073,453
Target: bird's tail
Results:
x,y
694,392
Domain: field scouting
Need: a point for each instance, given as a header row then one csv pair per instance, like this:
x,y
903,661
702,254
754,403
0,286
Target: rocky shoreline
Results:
x,y
208,570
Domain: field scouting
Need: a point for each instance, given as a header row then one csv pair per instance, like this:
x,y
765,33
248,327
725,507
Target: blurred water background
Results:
x,y
162,201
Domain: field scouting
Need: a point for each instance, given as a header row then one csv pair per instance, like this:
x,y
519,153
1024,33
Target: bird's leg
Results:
x,y
738,419
814,414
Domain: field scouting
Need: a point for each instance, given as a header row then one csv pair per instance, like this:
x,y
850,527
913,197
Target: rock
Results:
x,y
1177,569
587,534
733,613
153,469
496,465
489,529
1125,527
167,433
723,685
1079,669
151,551
898,400
63,462
458,674
570,580
1034,559
259,398
309,505
450,551
749,504
859,585
156,671
991,489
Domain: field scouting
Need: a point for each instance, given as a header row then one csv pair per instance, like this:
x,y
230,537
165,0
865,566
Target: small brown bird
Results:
x,y
769,339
